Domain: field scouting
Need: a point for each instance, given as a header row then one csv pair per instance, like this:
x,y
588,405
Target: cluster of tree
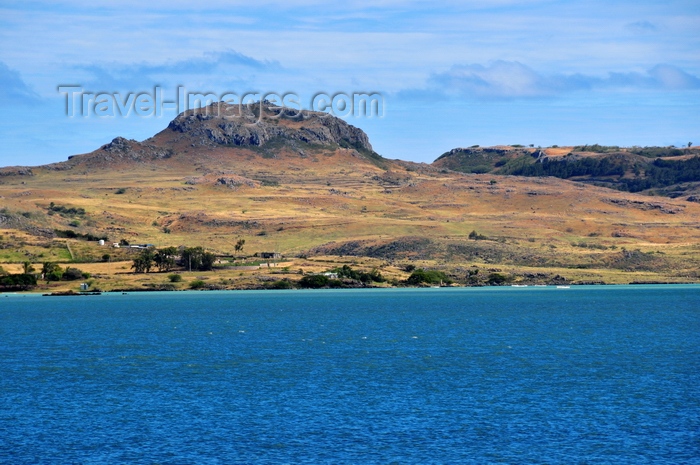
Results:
x,y
196,258
53,272
653,152
597,148
165,259
498,279
421,276
28,278
473,278
281,284
663,173
568,168
317,281
70,234
50,271
63,210
366,277
659,173
476,236
17,281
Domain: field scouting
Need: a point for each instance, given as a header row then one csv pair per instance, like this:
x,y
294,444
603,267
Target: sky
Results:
x,y
447,73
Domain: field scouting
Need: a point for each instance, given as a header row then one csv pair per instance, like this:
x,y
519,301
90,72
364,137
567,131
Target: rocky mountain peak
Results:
x,y
255,125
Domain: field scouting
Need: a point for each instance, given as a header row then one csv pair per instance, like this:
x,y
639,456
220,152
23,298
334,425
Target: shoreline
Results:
x,y
342,273
249,289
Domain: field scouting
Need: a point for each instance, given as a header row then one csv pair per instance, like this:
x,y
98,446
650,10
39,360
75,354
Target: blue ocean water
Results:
x,y
587,375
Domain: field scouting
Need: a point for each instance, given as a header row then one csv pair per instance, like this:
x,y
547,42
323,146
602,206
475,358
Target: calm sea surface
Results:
x,y
589,375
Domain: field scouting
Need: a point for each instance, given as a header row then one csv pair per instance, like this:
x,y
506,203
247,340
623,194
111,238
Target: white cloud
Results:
x,y
506,79
208,64
642,27
672,78
13,89
500,79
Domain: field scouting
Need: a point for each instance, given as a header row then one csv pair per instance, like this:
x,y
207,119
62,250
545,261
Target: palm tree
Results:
x,y
27,267
50,271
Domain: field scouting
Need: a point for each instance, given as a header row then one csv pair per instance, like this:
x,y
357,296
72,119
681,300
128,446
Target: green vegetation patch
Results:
x,y
421,276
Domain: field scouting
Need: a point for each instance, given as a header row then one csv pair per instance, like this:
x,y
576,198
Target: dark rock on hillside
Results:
x,y
641,205
121,148
118,151
16,171
242,126
400,248
10,220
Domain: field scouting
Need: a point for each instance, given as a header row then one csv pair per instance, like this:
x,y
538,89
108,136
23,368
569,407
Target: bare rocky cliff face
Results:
x,y
131,149
258,124
120,150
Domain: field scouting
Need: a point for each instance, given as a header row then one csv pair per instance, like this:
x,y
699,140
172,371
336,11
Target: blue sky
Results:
x,y
452,73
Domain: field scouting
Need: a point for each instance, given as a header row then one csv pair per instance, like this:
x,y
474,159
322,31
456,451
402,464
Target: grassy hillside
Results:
x,y
663,171
327,205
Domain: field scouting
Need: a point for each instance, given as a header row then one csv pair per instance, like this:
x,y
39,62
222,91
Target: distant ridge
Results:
x,y
221,139
667,171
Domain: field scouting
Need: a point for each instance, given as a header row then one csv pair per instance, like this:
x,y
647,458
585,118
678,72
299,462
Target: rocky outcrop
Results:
x,y
16,171
230,180
242,126
410,247
121,148
646,206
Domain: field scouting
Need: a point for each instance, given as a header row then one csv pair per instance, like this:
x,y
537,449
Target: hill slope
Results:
x,y
313,188
663,171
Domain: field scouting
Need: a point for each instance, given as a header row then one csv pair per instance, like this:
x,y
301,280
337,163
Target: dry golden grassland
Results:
x,y
314,205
